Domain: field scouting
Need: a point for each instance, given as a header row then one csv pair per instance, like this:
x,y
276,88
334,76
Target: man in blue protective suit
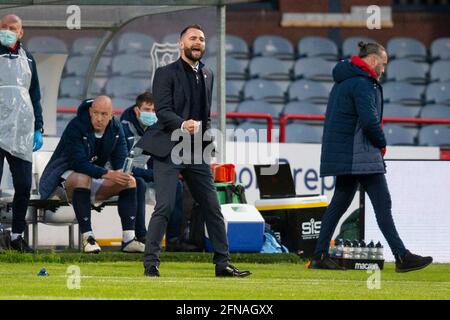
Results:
x,y
21,126
135,120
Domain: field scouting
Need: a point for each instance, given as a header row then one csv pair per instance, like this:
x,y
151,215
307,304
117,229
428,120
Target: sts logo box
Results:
x,y
311,229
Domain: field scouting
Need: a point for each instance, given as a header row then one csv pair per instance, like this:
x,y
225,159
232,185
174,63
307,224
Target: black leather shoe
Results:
x,y
21,245
324,262
411,262
231,271
151,271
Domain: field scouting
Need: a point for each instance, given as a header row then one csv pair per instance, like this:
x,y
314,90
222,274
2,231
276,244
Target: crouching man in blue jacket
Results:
x,y
90,141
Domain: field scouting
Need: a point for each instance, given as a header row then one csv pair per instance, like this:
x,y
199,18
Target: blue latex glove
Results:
x,y
37,142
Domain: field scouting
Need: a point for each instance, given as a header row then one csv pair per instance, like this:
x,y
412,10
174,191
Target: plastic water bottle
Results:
x,y
339,253
332,249
356,249
128,164
372,251
379,251
348,249
364,250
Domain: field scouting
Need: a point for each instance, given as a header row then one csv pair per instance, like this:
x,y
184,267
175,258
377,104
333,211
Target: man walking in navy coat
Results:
x,y
353,148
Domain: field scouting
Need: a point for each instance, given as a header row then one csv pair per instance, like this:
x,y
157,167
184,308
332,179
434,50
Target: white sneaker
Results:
x,y
90,245
133,246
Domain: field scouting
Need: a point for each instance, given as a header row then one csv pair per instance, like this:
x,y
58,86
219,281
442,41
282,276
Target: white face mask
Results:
x,y
7,38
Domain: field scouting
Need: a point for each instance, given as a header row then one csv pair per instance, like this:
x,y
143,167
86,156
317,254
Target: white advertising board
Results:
x,y
420,208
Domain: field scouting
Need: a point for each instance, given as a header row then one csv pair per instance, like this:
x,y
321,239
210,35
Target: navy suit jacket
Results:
x,y
172,96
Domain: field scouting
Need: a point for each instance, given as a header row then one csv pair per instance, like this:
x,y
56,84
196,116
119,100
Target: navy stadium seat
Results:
x,y
316,69
269,68
440,49
406,47
275,46
403,93
318,47
307,90
261,89
434,135
407,71
399,135
303,133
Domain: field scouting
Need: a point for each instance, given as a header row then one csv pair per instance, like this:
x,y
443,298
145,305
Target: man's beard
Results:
x,y
188,54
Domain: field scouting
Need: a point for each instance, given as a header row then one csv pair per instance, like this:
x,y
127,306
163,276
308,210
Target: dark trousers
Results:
x,y
173,227
21,172
376,187
200,182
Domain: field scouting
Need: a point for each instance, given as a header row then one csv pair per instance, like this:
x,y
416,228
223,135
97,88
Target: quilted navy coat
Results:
x,y
353,134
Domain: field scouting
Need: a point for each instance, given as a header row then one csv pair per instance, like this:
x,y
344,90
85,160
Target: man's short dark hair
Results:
x,y
370,48
191,26
144,97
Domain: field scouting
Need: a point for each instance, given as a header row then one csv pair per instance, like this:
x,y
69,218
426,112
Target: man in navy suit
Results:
x,y
182,92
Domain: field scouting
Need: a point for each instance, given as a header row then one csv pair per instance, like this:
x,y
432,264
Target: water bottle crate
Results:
x,y
359,264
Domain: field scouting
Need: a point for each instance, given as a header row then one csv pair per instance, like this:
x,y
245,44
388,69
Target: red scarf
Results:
x,y
357,61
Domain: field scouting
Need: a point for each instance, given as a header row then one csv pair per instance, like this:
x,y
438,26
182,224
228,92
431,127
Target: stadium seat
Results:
x,y
403,93
316,69
406,70
435,111
235,47
103,67
405,47
234,91
230,127
77,66
87,46
303,133
434,135
98,86
119,103
307,90
350,45
261,89
302,107
440,49
440,71
173,38
260,106
46,45
68,103
438,92
211,62
398,110
71,87
127,88
269,68
273,46
131,65
135,42
236,69
62,120
317,47
254,132
399,135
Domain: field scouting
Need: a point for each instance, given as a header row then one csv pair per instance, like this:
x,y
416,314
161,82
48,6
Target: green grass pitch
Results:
x,y
103,277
